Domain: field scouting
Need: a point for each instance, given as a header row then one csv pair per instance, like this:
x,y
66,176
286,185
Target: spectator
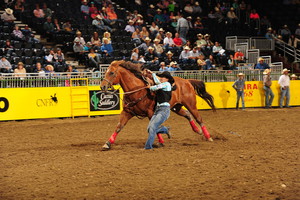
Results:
x,y
134,55
94,58
198,24
269,34
87,47
59,58
239,87
85,10
49,59
38,69
49,69
210,63
284,82
95,40
8,48
8,18
294,41
231,63
178,41
56,25
200,42
98,23
194,55
269,95
174,67
67,26
70,68
47,11
80,38
261,64
163,67
136,37
172,6
5,66
254,15
188,8
153,29
174,22
201,62
151,13
49,27
294,77
159,18
239,57
78,49
106,48
231,16
20,71
39,13
93,9
158,47
144,33
17,34
129,27
182,27
151,57
168,41
285,33
219,53
106,35
197,10
169,58
29,36
19,9
184,56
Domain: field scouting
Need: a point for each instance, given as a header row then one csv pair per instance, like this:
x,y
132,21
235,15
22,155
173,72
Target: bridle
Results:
x,y
128,105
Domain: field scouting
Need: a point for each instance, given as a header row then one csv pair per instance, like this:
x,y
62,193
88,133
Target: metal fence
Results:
x,y
260,43
31,80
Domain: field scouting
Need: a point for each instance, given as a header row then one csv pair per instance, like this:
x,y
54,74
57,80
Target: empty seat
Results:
x,y
28,52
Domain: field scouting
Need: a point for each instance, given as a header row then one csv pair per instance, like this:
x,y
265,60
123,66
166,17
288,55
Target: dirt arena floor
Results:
x,y
62,158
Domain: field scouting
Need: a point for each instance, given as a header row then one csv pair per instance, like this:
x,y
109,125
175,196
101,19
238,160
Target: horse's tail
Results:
x,y
199,87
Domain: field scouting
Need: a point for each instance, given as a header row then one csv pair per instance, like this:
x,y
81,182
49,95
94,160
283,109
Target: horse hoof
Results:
x,y
106,146
210,140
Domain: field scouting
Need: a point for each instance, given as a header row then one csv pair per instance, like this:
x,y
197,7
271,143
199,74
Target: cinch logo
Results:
x,y
52,101
101,101
4,104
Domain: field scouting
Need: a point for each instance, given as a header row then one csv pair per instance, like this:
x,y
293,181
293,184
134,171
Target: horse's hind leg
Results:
x,y
186,114
193,110
124,117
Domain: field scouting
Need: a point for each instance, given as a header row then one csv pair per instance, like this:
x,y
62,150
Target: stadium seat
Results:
x,y
28,52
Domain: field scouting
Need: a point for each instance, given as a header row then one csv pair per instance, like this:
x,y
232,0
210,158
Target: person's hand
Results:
x,y
148,86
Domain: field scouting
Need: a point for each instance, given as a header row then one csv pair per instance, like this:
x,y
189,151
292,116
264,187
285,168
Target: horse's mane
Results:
x,y
133,68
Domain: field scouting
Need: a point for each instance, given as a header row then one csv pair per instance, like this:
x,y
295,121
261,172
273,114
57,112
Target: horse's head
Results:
x,y
111,77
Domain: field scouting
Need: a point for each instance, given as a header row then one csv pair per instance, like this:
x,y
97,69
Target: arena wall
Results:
x,y
60,102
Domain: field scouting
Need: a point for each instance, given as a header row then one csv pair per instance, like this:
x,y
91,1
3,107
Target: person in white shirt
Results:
x,y
129,27
168,41
184,55
284,82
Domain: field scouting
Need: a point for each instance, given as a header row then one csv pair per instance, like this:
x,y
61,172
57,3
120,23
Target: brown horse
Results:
x,y
139,101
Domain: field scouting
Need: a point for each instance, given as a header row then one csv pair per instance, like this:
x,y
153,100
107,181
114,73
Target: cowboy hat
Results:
x,y
98,17
130,21
147,39
150,48
285,70
169,53
198,18
240,74
294,76
199,35
158,10
156,40
186,48
206,35
189,17
139,15
266,71
9,11
161,29
173,63
167,75
151,6
260,59
269,29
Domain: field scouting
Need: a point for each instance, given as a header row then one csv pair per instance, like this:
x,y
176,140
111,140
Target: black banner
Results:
x,y
99,101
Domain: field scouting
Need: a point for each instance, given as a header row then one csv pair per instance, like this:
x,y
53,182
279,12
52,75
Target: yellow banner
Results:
x,y
225,95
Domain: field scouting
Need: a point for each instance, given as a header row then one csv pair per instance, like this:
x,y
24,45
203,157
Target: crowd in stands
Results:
x,y
164,35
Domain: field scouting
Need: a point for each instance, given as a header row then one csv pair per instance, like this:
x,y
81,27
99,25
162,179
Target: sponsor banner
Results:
x,y
225,95
32,103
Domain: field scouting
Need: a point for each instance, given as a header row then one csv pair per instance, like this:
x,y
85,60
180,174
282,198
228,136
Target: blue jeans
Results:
x,y
285,93
269,96
183,32
240,94
161,114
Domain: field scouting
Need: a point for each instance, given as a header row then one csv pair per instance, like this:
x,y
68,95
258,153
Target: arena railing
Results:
x,y
31,80
260,43
288,50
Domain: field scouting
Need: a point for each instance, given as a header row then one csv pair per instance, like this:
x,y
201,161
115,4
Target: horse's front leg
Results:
x,y
124,117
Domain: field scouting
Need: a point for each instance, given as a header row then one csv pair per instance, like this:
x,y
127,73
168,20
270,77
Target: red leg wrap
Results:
x,y
205,132
113,137
194,127
160,138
